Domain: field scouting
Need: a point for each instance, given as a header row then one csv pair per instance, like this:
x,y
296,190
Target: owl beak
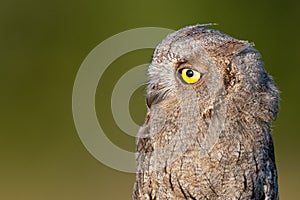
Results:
x,y
154,97
151,99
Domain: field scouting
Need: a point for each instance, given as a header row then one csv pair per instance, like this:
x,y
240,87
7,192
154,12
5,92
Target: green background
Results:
x,y
43,43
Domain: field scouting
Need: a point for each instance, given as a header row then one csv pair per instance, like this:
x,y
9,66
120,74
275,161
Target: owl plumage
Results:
x,y
207,132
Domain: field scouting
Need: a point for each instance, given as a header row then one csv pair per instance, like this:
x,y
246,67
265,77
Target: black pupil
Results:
x,y
189,73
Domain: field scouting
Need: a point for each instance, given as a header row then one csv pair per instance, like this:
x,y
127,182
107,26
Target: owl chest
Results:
x,y
196,162
218,175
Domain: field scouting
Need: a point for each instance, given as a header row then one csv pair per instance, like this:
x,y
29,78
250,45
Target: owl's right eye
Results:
x,y
189,76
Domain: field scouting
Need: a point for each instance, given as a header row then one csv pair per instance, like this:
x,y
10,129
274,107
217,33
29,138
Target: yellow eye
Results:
x,y
190,76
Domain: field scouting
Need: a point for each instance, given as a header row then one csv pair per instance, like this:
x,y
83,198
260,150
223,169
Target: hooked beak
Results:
x,y
155,95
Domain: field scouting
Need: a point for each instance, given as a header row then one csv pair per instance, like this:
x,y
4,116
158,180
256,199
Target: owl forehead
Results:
x,y
196,42
177,48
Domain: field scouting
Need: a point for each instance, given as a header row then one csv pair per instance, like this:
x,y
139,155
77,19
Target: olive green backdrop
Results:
x,y
43,43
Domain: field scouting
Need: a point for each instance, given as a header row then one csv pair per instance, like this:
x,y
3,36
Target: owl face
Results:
x,y
199,68
183,69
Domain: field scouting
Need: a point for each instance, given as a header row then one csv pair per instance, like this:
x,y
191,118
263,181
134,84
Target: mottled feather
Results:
x,y
211,139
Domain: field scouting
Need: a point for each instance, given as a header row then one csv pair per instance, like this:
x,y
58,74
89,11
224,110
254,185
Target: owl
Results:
x,y
207,132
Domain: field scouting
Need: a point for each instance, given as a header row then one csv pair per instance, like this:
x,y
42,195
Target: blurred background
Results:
x,y
42,45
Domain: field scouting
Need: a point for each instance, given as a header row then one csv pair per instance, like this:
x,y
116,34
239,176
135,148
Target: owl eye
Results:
x,y
190,76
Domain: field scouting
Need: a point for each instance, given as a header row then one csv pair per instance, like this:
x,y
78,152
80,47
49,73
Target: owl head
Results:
x,y
205,71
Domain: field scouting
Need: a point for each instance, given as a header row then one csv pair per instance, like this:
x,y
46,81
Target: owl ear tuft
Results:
x,y
232,48
223,52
